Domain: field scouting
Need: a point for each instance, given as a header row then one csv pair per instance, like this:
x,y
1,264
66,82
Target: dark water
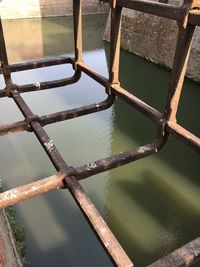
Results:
x,y
151,205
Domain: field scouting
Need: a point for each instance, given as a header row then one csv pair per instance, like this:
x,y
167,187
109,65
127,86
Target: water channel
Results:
x,y
151,205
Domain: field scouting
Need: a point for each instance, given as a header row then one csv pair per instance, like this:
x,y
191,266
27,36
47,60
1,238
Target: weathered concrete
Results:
x,y
8,253
155,39
10,9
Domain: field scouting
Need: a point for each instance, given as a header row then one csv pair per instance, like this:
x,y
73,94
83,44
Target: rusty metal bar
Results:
x,y
138,104
106,237
142,107
194,17
109,242
184,136
150,7
13,127
43,138
25,192
50,84
158,9
92,73
182,257
3,57
57,117
115,33
117,160
40,63
38,86
166,123
135,102
30,87
82,172
77,16
178,73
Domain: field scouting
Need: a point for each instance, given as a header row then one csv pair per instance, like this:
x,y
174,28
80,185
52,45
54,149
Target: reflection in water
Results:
x,y
152,205
50,36
56,232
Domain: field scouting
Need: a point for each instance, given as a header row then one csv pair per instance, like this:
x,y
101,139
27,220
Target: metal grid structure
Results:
x,y
187,17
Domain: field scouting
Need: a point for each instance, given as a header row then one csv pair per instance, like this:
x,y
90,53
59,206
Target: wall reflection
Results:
x,y
50,36
152,204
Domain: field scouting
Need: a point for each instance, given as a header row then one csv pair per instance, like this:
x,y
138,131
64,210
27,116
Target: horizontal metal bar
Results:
x,y
3,93
117,160
84,171
184,256
138,104
31,190
77,112
93,74
49,84
40,63
97,223
184,135
158,9
38,86
57,117
13,127
154,8
194,17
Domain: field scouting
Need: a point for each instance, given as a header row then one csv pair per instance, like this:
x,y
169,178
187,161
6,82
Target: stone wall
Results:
x,y
12,9
155,39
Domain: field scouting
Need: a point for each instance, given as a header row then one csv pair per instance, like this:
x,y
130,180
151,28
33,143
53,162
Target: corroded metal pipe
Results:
x,y
166,124
182,257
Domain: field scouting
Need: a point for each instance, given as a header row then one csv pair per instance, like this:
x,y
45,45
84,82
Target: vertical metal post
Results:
x,y
77,16
183,47
3,57
115,34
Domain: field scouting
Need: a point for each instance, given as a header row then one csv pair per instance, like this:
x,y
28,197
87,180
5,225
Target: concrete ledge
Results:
x,y
8,252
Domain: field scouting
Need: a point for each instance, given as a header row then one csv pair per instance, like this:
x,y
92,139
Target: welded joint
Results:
x,y
161,127
69,171
10,89
32,118
76,63
185,9
108,87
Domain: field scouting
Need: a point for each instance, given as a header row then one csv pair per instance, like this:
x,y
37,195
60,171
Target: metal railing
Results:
x,y
187,17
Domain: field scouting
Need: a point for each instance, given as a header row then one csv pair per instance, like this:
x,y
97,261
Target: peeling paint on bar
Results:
x,y
165,122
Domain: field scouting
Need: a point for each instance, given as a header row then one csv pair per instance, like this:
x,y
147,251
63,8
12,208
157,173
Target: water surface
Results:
x,y
151,205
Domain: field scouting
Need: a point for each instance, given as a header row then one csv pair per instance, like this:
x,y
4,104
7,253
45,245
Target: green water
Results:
x,y
151,205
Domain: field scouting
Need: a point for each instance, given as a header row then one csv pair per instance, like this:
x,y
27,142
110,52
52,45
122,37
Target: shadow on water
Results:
x,y
56,233
75,244
150,83
152,204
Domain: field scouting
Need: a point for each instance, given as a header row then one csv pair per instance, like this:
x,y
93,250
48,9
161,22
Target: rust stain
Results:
x,y
67,176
